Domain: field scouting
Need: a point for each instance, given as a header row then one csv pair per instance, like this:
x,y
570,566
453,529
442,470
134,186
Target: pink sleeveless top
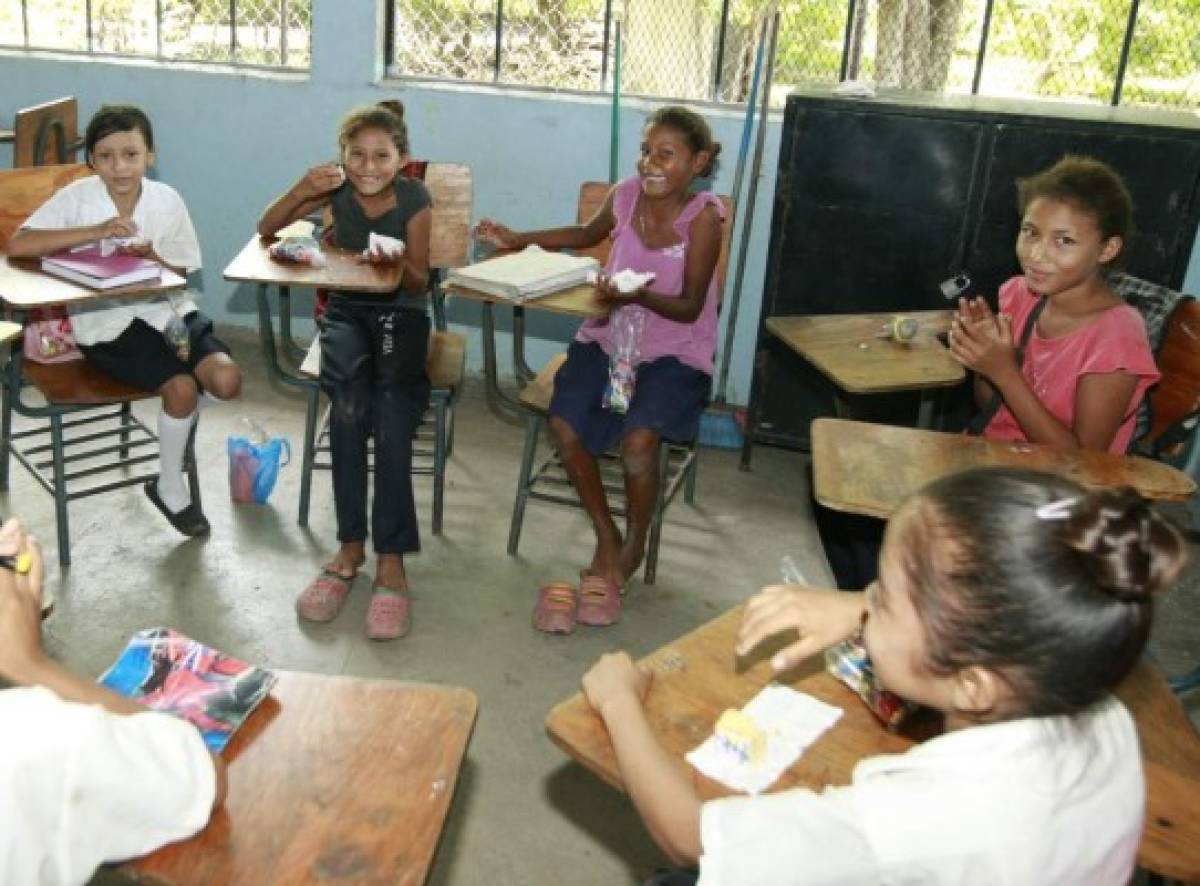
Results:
x,y
693,344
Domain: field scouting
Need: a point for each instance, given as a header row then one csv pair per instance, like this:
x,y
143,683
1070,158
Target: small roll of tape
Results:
x,y
904,328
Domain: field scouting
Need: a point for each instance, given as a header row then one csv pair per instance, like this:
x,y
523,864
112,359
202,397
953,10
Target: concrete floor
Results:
x,y
522,812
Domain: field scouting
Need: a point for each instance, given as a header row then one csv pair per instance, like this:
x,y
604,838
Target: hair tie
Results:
x,y
1056,510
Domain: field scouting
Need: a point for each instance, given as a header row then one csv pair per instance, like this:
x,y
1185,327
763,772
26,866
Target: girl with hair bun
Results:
x,y
1011,601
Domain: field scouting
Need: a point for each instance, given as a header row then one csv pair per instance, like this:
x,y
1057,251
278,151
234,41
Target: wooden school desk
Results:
x,y
332,778
697,677
341,271
869,469
23,285
855,352
578,301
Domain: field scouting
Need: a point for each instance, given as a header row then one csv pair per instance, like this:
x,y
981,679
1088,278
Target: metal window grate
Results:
x,y
1144,52
249,33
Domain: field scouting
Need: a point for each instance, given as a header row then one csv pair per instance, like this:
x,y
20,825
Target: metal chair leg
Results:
x,y
439,460
6,431
189,463
60,491
664,463
533,430
126,421
689,487
310,445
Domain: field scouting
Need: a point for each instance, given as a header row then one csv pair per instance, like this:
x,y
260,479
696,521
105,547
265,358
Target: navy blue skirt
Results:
x,y
668,397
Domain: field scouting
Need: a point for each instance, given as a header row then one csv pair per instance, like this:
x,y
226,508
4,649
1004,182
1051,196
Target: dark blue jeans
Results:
x,y
373,370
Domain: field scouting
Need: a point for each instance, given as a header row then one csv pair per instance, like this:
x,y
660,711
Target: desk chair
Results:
x,y
46,133
548,482
83,428
1170,415
450,187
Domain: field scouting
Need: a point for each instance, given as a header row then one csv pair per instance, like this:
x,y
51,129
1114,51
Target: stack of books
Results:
x,y
527,274
92,268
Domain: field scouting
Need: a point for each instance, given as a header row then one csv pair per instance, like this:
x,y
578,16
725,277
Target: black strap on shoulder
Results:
x,y
984,416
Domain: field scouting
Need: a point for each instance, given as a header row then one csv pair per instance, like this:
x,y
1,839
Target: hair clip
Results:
x,y
1056,510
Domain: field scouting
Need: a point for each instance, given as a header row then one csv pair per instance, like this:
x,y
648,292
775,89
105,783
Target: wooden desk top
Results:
x,y
864,468
24,285
342,270
697,677
848,350
578,301
331,778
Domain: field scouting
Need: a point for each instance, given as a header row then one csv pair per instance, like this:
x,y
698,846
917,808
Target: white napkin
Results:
x,y
626,281
384,246
792,721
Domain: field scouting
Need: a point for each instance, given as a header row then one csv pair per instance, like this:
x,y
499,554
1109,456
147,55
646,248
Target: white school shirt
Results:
x,y
80,786
1053,800
160,215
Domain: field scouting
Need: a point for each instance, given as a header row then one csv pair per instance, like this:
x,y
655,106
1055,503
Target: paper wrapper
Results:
x,y
791,720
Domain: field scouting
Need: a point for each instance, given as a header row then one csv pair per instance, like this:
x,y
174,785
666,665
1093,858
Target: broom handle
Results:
x,y
615,124
756,164
743,150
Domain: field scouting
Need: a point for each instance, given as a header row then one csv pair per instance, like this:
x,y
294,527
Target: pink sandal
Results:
x,y
322,600
599,601
388,615
554,612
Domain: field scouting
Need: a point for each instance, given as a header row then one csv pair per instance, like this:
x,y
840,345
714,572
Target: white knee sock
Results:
x,y
172,441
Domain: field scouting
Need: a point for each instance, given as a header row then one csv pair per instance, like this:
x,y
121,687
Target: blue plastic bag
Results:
x,y
254,467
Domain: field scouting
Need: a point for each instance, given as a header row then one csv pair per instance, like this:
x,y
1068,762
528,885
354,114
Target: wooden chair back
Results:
x,y
46,134
1176,398
450,187
591,199
24,190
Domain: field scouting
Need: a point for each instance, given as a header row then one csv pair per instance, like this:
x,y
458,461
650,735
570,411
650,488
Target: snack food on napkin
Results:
x,y
298,251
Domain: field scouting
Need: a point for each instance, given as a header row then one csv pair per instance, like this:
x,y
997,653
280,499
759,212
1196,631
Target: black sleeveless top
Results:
x,y
352,228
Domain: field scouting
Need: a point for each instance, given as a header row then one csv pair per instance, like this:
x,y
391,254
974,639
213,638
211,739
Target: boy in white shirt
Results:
x,y
86,776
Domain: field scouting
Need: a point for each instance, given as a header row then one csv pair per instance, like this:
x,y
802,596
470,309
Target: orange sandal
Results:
x,y
555,609
599,601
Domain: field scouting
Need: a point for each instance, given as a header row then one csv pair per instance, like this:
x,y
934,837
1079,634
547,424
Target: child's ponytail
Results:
x,y
1130,551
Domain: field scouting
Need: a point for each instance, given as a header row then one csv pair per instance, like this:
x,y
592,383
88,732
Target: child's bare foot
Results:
x,y
606,561
347,560
389,573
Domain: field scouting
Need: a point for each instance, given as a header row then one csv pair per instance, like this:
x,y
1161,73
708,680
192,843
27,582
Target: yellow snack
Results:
x,y
739,735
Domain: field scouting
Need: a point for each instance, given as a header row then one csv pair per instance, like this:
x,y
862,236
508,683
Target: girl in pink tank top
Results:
x,y
657,225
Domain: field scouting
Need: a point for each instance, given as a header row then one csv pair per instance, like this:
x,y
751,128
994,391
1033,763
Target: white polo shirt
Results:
x,y
160,215
1039,800
80,786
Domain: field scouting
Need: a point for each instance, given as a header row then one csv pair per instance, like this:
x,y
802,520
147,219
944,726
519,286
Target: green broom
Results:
x,y
719,426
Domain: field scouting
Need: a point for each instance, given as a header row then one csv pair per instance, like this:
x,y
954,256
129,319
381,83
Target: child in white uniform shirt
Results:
x,y
86,776
1011,601
128,339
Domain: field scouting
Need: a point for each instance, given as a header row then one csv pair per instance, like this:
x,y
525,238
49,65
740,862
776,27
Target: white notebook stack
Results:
x,y
523,275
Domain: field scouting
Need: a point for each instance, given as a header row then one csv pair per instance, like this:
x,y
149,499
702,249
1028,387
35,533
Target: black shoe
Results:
x,y
190,521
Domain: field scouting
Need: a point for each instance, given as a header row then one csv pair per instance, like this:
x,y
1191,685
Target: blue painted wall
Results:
x,y
231,142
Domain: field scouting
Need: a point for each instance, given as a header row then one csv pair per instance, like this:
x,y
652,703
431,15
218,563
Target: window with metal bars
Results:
x,y
1144,52
247,33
